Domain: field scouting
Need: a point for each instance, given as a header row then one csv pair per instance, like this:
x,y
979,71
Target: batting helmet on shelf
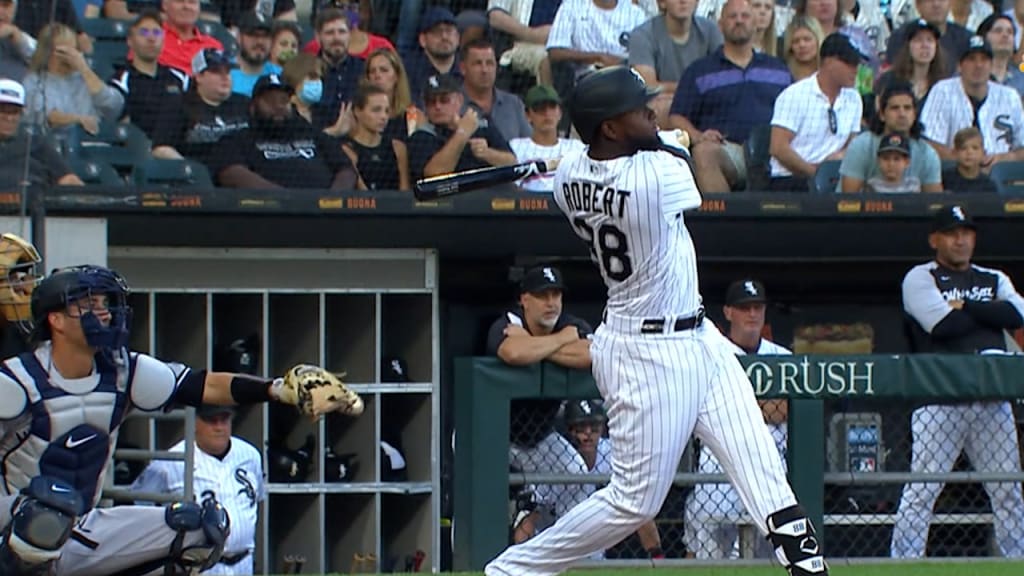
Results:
x,y
605,94
241,356
286,465
392,464
340,467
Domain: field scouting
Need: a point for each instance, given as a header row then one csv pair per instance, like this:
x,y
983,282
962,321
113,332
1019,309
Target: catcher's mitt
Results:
x,y
315,392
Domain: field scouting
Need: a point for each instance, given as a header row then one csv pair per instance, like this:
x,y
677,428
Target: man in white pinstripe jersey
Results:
x,y
663,370
227,466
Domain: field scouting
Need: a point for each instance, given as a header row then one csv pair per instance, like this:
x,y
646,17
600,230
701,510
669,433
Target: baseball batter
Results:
x,y
663,370
957,307
227,468
63,406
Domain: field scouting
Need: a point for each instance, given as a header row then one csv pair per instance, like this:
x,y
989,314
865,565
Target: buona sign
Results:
x,y
803,376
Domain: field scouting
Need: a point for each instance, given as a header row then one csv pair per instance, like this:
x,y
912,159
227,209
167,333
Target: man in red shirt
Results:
x,y
182,40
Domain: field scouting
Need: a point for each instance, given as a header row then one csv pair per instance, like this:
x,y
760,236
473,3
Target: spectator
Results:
x,y
966,13
146,85
893,161
592,34
816,118
382,162
538,330
953,306
33,15
118,10
1016,13
800,46
919,62
231,13
528,22
217,455
284,42
766,39
182,39
305,72
712,510
587,427
193,126
973,99
472,25
361,43
384,69
254,53
63,90
782,13
867,16
998,30
544,112
967,176
46,167
452,142
439,43
16,46
897,114
409,17
279,149
503,109
665,46
723,96
953,37
341,71
831,18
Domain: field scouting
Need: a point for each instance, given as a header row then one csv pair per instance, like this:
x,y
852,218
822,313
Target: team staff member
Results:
x,y
193,126
279,149
957,307
226,466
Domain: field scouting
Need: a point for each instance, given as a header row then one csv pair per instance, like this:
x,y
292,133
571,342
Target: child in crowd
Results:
x,y
967,176
893,160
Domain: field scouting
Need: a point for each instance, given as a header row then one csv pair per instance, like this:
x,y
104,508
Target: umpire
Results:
x,y
957,307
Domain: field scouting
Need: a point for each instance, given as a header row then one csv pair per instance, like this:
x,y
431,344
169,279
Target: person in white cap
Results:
x,y
46,167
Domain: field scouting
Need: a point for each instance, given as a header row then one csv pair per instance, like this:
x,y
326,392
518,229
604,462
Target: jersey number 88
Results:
x,y
608,247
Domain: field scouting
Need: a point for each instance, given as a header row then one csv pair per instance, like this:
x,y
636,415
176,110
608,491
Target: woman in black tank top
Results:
x,y
382,161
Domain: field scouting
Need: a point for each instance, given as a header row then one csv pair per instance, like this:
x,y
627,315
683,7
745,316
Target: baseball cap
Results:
x,y
209,58
541,94
471,19
211,410
894,142
253,21
977,45
270,82
745,291
12,92
839,46
440,84
921,25
952,216
584,411
436,15
541,278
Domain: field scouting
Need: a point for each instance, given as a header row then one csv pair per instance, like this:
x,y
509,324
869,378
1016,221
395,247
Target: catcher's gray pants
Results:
x,y
125,536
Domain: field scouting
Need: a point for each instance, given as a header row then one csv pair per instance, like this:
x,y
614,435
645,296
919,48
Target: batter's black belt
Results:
x,y
657,325
233,559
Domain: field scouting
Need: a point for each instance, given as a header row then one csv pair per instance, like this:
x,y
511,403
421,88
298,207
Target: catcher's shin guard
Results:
x,y
185,517
796,545
40,524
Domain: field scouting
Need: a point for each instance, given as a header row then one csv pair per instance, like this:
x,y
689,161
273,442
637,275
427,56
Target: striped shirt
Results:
x,y
804,110
1000,117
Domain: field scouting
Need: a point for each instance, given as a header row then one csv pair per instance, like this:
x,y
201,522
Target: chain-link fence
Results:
x,y
960,497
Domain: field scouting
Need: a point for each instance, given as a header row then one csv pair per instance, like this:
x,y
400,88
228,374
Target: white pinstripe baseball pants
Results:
x,y
660,388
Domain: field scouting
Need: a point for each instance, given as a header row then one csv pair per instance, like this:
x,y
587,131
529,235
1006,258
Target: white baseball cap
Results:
x,y
12,92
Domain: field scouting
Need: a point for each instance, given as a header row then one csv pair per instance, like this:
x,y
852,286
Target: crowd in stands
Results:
x,y
811,95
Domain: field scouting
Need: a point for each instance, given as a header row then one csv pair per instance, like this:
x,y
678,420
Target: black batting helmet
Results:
x,y
580,411
605,94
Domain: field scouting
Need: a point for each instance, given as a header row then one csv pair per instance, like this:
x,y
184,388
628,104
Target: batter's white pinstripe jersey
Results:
x,y
580,25
1000,117
526,150
630,211
236,482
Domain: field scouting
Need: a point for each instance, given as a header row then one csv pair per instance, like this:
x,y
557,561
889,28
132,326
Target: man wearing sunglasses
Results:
x,y
815,118
145,83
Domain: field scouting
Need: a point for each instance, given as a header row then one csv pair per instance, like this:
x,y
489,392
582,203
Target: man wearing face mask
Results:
x,y
279,149
254,53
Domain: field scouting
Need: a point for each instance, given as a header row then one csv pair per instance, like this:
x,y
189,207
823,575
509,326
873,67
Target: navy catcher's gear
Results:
x,y
78,284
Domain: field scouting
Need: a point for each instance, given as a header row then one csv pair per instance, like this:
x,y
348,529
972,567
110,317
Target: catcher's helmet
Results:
x,y
78,283
18,278
605,94
579,411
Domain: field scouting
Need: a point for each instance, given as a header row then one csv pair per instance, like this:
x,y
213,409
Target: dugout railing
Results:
x,y
815,386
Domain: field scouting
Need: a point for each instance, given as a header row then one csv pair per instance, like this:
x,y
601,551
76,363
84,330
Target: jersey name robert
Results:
x,y
591,197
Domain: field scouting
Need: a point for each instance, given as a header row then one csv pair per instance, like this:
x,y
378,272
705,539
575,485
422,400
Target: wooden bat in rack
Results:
x,y
455,183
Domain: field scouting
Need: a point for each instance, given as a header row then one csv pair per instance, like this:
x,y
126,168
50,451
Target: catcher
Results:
x,y
18,262
62,406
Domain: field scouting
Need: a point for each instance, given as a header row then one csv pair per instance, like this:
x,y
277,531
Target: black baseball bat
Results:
x,y
460,182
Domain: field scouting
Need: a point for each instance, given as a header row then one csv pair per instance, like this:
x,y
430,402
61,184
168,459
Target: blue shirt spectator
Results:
x,y
438,54
341,71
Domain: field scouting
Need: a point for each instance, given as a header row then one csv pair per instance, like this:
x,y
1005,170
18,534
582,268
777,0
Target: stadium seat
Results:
x,y
1009,177
107,56
94,172
218,31
757,153
119,144
163,173
105,28
826,179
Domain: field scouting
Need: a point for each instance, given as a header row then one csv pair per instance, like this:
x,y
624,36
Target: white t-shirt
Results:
x,y
526,150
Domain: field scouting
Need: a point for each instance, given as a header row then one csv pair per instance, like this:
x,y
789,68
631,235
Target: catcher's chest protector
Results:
x,y
64,435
